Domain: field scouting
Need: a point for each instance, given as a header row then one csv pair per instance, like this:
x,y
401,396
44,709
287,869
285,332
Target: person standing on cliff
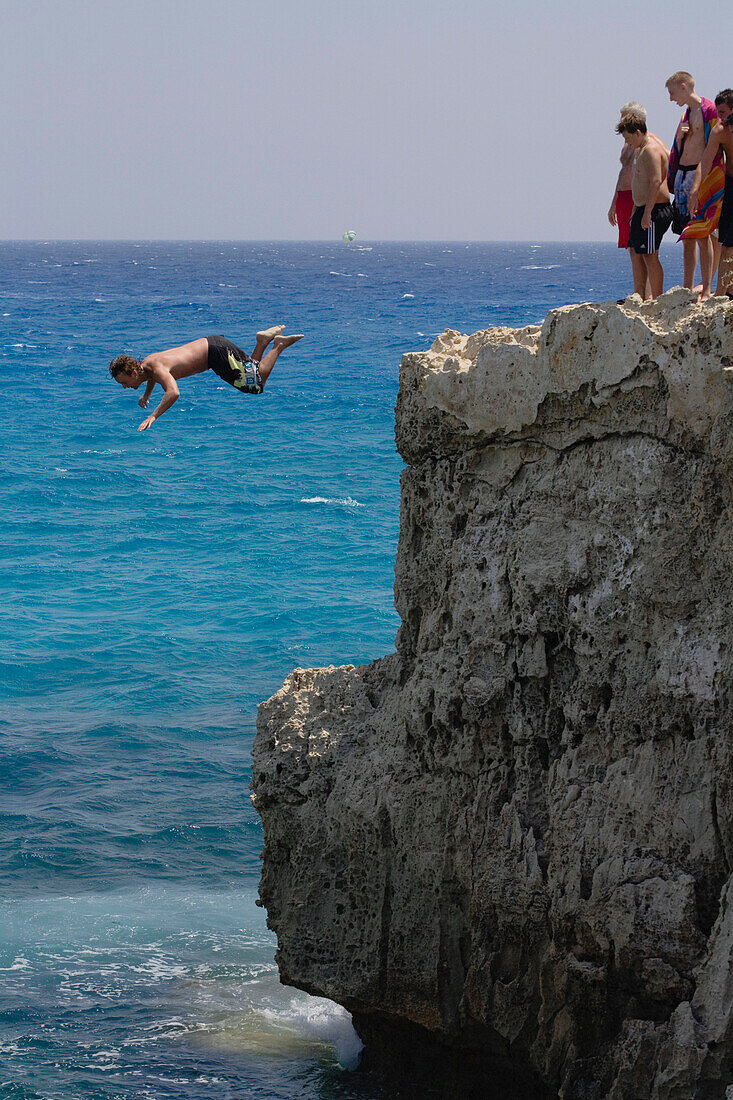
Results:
x,y
652,208
688,148
247,373
622,204
720,143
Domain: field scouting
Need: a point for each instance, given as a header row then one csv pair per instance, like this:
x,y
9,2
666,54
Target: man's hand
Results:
x,y
143,402
612,213
646,221
692,203
147,423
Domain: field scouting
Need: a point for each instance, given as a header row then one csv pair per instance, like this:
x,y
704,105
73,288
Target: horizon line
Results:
x,y
291,240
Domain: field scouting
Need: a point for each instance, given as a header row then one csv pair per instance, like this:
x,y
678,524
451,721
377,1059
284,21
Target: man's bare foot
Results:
x,y
270,333
282,342
695,290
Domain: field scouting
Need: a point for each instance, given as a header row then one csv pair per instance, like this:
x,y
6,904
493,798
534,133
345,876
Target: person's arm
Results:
x,y
654,168
704,167
612,208
143,402
626,158
164,378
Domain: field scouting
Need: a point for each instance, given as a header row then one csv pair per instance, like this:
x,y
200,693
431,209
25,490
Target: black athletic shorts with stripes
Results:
x,y
646,241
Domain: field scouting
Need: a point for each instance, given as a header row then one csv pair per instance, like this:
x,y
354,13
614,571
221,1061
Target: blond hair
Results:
x,y
681,78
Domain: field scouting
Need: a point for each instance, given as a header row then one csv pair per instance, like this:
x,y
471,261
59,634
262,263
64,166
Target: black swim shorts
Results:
x,y
234,365
646,241
725,225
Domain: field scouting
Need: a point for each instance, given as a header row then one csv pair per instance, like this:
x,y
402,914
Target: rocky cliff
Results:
x,y
507,847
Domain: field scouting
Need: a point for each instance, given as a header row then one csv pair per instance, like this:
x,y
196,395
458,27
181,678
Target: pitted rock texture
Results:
x,y
516,832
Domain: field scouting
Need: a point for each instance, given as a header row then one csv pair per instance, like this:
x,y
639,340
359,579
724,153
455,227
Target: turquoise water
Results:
x,y
153,588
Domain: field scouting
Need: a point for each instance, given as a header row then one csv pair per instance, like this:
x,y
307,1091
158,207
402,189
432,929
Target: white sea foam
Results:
x,y
348,501
408,295
19,963
537,267
325,1021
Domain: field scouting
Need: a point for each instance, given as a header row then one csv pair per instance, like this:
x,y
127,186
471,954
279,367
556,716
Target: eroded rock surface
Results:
x,y
516,832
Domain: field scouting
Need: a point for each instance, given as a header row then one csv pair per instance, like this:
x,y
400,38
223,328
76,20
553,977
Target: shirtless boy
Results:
x,y
622,204
247,373
652,209
687,152
720,141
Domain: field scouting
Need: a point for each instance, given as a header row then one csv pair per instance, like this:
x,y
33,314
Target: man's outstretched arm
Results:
x,y
164,378
143,402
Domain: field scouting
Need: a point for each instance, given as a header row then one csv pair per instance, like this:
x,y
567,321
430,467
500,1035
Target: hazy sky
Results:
x,y
438,119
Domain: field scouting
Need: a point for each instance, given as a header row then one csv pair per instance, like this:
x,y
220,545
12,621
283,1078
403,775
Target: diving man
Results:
x,y
247,373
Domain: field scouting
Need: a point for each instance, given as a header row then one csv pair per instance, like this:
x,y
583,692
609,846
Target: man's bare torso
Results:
x,y
650,161
627,165
180,362
691,136
627,161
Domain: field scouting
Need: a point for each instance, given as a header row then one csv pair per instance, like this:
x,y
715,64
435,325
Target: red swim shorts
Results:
x,y
624,210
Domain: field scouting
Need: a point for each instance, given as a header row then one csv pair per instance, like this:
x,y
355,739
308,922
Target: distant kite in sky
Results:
x,y
349,236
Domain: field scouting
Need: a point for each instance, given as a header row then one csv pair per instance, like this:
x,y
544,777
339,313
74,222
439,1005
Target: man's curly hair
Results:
x,y
123,364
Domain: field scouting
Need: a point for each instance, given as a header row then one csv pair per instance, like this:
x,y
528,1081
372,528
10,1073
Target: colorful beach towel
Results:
x,y
710,203
711,189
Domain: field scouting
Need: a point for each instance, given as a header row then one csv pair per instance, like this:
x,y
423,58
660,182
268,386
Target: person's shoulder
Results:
x,y
153,363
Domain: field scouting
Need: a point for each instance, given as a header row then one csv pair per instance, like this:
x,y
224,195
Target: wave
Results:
x,y
322,1020
348,501
538,267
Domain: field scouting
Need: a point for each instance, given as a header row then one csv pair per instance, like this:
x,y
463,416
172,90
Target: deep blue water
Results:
x,y
153,588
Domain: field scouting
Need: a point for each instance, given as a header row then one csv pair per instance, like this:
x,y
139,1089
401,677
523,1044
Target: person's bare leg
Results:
x,y
689,263
638,267
706,267
279,345
265,338
725,272
716,255
655,273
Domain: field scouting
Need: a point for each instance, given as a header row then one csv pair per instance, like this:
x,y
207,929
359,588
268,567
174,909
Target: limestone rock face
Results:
x,y
515,834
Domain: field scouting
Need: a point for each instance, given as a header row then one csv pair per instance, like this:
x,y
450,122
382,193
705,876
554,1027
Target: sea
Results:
x,y
154,587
